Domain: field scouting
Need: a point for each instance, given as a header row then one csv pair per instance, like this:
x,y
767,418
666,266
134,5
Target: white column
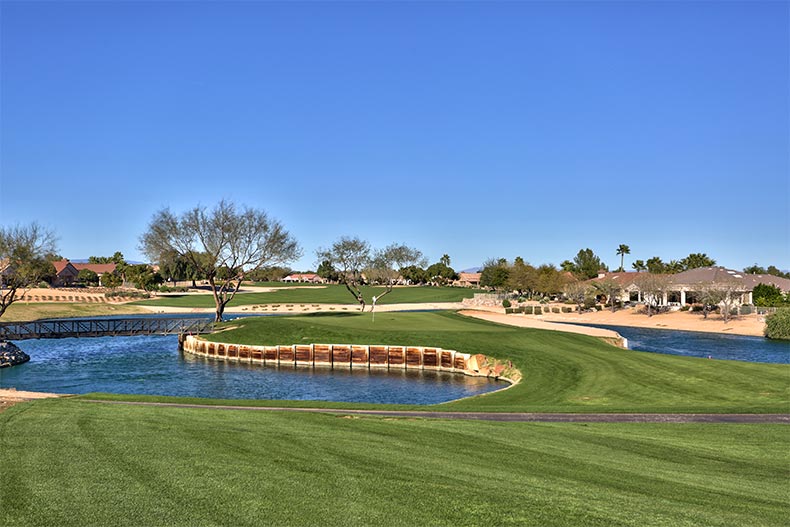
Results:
x,y
682,297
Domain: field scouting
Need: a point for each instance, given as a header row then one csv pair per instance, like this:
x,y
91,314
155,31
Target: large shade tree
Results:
x,y
227,238
495,273
26,254
586,264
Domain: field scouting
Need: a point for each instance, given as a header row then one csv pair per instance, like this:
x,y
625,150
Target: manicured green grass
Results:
x,y
23,311
330,294
67,462
562,372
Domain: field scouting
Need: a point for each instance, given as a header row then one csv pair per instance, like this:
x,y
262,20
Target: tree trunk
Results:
x,y
219,312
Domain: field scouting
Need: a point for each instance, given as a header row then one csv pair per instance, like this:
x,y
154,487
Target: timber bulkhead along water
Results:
x,y
356,356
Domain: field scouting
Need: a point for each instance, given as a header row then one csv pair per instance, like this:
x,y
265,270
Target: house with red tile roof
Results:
x,y
65,273
99,269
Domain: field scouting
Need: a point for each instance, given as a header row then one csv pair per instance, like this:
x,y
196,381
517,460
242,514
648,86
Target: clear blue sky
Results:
x,y
477,129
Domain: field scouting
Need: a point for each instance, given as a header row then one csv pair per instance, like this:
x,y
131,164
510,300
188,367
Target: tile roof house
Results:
x,y
720,274
65,273
469,279
683,286
99,269
304,277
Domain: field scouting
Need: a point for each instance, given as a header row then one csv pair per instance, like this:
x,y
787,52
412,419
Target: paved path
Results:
x,y
495,416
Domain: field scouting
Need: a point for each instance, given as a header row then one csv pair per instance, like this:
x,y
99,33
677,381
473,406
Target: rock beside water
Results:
x,y
11,355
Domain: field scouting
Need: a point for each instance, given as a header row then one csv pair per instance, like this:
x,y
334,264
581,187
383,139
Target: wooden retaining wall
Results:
x,y
345,356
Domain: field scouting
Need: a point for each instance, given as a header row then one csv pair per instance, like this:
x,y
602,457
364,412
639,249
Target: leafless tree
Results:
x,y
225,238
577,292
26,252
725,294
386,264
349,257
653,287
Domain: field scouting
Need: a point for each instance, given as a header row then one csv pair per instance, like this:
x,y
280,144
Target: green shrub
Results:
x,y
506,303
777,325
510,310
598,307
86,276
566,309
537,310
168,289
555,310
767,295
746,309
111,280
43,285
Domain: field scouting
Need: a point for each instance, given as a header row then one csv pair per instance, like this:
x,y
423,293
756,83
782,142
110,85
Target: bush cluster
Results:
x,y
168,289
777,325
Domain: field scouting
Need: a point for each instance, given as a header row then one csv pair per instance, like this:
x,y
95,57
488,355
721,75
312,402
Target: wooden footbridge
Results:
x,y
104,327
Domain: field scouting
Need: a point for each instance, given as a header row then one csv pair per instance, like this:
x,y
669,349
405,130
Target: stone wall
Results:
x,y
484,300
355,356
11,355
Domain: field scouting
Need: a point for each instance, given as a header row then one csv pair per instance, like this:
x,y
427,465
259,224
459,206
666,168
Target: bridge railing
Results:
x,y
41,329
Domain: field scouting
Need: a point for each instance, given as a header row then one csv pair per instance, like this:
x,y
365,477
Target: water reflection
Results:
x,y
153,365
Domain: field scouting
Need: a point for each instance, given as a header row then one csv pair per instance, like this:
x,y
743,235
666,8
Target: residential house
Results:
x,y
65,273
99,269
304,277
468,279
684,287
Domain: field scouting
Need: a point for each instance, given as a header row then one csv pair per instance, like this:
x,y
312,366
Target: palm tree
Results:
x,y
622,251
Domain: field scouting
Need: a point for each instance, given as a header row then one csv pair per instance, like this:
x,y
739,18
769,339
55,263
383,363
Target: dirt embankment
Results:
x,y
751,325
10,396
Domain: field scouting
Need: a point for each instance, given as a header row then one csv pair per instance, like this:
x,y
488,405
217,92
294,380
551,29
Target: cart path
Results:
x,y
495,416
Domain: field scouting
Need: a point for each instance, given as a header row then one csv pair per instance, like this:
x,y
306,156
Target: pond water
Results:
x,y
698,344
153,365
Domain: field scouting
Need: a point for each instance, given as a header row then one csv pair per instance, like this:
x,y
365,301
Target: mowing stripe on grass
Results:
x,y
493,416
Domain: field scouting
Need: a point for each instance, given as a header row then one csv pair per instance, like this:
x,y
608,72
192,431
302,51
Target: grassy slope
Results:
x,y
562,372
67,462
332,294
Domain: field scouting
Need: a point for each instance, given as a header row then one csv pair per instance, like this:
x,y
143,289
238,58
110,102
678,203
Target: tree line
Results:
x,y
228,244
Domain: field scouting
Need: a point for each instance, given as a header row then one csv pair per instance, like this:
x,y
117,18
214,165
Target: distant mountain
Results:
x,y
472,270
